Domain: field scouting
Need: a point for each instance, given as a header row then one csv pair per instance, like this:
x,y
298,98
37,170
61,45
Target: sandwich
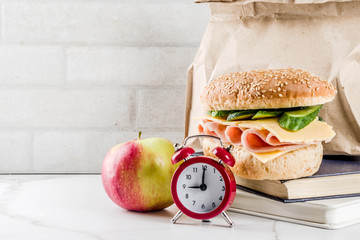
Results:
x,y
271,119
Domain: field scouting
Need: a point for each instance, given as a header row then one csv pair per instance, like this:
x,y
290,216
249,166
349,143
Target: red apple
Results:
x,y
136,175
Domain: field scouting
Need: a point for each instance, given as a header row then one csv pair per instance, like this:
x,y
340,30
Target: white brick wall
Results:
x,y
32,65
165,110
123,21
129,66
15,154
67,108
79,76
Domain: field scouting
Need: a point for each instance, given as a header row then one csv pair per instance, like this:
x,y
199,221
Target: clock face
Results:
x,y
200,188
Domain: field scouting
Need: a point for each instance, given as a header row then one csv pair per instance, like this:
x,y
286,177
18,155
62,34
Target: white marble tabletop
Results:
x,y
76,207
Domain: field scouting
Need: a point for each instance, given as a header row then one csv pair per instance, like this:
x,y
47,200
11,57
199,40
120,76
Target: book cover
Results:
x,y
333,165
330,166
329,213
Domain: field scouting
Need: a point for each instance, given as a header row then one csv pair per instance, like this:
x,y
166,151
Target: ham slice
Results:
x,y
215,129
257,141
227,134
204,130
233,135
253,140
273,140
201,127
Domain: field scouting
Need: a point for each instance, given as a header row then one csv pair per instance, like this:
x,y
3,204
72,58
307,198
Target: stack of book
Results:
x,y
329,199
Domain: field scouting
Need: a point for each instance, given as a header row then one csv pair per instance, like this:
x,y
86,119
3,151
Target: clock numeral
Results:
x,y
221,179
213,205
214,170
204,167
194,202
203,206
188,176
220,198
195,169
184,186
186,196
223,188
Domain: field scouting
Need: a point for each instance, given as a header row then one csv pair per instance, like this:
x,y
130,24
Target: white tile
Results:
x,y
161,108
31,65
67,108
83,151
15,153
173,136
69,151
129,65
109,44
170,22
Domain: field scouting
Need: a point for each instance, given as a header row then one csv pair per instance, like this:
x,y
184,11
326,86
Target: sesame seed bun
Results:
x,y
264,89
301,162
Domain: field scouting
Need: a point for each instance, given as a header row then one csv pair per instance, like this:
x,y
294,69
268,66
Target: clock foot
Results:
x,y
205,220
176,217
227,219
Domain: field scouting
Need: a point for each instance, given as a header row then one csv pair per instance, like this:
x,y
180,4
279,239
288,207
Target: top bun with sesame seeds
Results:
x,y
266,89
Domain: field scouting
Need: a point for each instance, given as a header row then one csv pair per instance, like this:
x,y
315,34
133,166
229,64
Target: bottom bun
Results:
x,y
298,163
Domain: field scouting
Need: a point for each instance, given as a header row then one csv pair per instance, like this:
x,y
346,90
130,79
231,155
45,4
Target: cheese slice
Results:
x,y
316,131
265,157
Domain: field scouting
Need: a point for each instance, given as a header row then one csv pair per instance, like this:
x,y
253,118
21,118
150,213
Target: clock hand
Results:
x,y
203,177
203,186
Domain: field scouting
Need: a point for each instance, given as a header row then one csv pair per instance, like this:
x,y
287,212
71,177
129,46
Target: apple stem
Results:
x,y
139,136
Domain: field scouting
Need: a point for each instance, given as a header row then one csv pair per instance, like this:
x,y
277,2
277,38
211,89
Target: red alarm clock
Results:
x,y
203,187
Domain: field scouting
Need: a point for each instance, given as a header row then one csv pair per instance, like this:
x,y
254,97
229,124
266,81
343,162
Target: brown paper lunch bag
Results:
x,y
322,37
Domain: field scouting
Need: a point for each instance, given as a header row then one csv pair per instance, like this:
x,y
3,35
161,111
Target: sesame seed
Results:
x,y
280,95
